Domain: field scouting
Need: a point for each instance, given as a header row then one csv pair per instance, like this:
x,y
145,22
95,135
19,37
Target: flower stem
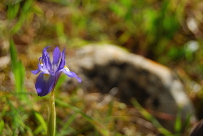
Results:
x,y
52,116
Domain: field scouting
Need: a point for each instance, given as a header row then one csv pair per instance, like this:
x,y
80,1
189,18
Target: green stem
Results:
x,y
52,116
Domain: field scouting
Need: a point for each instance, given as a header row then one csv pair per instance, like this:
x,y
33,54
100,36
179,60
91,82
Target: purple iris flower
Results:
x,y
50,71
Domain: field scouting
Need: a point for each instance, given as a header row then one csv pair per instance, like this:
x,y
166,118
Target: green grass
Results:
x,y
153,29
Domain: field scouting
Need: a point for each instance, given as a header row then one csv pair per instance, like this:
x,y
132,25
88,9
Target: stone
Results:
x,y
157,88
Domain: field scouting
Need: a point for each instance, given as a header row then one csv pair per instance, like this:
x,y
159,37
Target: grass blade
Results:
x,y
19,73
101,128
41,120
149,117
1,126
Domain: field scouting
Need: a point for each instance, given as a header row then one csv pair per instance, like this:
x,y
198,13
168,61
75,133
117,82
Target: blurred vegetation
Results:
x,y
169,32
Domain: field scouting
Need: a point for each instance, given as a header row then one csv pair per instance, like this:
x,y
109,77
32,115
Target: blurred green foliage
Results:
x,y
157,30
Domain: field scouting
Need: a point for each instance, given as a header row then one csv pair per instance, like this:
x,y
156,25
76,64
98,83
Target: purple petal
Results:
x,y
56,56
47,63
44,84
71,74
63,61
44,51
46,60
35,71
42,68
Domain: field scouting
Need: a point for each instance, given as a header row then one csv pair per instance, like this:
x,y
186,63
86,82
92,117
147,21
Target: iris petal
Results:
x,y
47,63
44,84
63,61
71,74
46,60
44,52
35,71
42,68
56,56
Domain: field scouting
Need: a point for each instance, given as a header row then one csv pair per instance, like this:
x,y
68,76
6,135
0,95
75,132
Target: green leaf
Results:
x,y
178,125
41,120
23,15
116,8
19,73
1,126
13,10
126,3
13,54
149,117
66,127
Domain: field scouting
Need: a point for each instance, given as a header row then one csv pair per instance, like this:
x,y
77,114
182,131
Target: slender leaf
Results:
x,y
1,126
149,117
41,120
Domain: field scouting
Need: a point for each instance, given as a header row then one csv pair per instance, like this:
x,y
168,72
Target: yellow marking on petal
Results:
x,y
46,77
41,64
66,68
